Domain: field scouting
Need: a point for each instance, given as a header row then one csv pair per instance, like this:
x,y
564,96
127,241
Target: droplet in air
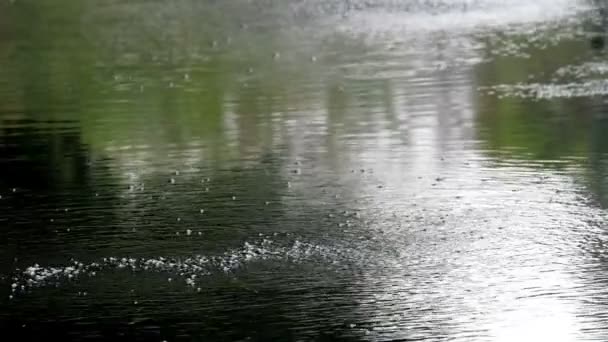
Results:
x,y
172,180
14,189
313,58
276,55
202,211
179,219
186,77
135,302
200,233
188,232
233,198
267,203
177,172
169,279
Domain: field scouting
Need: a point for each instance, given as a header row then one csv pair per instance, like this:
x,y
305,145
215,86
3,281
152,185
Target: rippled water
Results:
x,y
303,170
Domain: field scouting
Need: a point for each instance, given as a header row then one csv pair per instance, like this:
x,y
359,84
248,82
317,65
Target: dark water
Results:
x,y
303,170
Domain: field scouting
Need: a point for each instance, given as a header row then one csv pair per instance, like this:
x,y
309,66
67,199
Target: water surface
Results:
x,y
303,170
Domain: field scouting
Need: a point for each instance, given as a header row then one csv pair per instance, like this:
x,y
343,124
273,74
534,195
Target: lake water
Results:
x,y
303,170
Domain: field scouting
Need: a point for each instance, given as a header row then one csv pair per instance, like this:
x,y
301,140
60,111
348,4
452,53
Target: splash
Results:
x,y
190,269
549,91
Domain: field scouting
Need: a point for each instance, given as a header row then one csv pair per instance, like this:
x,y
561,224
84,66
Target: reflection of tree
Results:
x,y
527,128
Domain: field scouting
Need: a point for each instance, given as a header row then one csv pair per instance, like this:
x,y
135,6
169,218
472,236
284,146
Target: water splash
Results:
x,y
191,269
549,91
